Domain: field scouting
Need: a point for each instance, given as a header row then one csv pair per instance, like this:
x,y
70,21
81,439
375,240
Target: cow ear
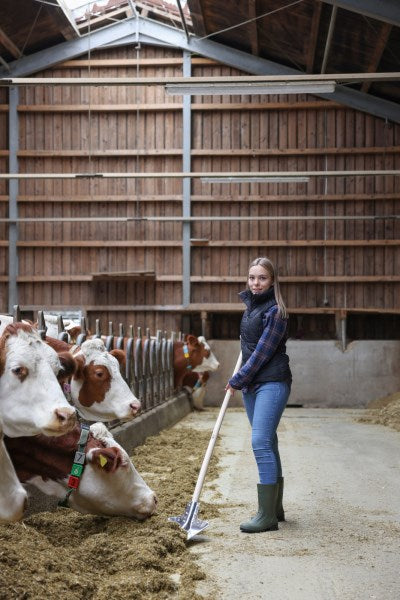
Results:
x,y
120,356
79,363
106,459
68,365
192,340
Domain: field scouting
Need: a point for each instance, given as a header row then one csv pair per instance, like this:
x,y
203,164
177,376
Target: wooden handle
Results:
x,y
214,435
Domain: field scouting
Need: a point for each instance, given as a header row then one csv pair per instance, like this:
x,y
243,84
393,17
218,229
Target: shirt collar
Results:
x,y
251,299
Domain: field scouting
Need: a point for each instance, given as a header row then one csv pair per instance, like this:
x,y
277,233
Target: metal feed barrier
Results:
x,y
149,368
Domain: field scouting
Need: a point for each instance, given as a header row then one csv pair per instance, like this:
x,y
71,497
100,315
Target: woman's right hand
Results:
x,y
229,388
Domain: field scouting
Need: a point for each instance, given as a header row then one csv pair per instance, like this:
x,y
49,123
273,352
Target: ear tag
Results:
x,y
103,460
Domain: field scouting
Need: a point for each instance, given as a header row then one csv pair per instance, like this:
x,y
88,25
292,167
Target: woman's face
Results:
x,y
259,279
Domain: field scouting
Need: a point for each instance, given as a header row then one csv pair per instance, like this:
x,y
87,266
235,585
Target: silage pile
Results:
x,y
66,555
385,411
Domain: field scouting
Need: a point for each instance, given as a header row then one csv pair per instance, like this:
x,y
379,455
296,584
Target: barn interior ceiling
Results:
x,y
260,37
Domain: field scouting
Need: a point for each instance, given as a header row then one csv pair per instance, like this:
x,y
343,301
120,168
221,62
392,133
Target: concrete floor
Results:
x,y
341,539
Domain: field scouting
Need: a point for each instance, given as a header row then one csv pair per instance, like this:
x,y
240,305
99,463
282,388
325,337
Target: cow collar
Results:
x,y
186,355
78,464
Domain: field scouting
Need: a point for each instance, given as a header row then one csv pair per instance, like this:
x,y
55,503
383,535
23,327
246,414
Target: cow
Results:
x,y
31,399
97,388
192,354
196,383
199,357
109,484
13,496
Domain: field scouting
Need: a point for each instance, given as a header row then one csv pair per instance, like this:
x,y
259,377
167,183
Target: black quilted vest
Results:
x,y
251,328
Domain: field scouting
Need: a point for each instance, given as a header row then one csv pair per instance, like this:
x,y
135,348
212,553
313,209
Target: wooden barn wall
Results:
x,y
324,264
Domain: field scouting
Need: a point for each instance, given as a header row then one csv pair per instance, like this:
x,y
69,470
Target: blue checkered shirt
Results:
x,y
274,330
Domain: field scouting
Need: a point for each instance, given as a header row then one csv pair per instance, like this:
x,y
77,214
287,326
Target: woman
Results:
x,y
265,381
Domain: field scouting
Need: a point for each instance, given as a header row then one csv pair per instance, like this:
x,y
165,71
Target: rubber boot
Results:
x,y
280,513
265,519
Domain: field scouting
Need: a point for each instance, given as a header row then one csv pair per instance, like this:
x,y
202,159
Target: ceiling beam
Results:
x,y
197,16
253,28
313,37
377,53
382,10
140,29
9,44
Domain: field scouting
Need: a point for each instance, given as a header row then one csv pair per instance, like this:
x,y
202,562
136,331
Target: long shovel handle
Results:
x,y
214,435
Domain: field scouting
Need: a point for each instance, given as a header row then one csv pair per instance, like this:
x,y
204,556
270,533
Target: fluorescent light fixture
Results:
x,y
255,179
290,87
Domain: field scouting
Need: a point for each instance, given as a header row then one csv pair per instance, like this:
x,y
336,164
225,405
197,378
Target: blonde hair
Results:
x,y
266,264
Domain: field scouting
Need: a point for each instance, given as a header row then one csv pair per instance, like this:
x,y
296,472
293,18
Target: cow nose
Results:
x,y
135,407
66,418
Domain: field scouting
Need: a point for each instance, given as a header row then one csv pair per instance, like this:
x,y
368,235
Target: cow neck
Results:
x,y
66,386
186,355
78,464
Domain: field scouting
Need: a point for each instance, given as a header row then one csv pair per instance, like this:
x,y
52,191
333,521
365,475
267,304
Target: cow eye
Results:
x,y
20,372
99,374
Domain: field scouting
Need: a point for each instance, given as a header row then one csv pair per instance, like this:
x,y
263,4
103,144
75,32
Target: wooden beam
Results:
x,y
210,308
376,56
339,78
217,279
281,198
252,28
313,37
200,174
203,242
197,16
127,276
9,44
133,62
177,106
206,152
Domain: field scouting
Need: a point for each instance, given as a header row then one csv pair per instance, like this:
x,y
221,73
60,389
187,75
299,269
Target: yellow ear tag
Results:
x,y
103,460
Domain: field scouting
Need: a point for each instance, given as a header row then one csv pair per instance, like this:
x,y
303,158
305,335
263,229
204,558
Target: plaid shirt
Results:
x,y
275,328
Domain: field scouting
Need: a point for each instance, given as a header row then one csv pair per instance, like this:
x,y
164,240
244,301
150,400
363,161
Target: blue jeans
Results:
x,y
264,407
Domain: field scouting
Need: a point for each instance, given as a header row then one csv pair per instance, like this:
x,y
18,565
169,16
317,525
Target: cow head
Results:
x,y
31,400
110,483
98,389
209,362
193,359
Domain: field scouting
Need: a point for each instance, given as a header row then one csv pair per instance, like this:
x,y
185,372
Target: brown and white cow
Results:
x,y
13,496
109,485
31,400
97,388
192,354
196,384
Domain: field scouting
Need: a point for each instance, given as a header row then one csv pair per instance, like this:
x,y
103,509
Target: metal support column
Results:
x,y
186,159
13,189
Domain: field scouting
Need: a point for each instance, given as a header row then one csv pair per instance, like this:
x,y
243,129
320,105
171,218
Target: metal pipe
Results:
x,y
329,38
13,140
183,19
186,184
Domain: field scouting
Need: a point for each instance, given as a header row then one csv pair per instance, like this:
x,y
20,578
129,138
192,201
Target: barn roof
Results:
x,y
259,37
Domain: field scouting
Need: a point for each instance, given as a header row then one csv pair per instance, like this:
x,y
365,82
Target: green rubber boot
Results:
x,y
280,513
265,519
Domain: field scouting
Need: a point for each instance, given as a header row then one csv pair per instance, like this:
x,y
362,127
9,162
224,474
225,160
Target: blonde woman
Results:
x,y
265,380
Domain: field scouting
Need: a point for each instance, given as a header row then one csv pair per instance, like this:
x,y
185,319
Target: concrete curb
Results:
x,y
165,415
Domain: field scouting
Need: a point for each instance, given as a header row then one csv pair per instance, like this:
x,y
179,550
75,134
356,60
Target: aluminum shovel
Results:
x,y
189,521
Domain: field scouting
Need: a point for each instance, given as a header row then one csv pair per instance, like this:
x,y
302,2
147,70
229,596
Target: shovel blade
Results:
x,y
189,521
